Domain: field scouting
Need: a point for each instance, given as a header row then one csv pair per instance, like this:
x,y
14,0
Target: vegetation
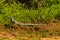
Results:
x,y
29,11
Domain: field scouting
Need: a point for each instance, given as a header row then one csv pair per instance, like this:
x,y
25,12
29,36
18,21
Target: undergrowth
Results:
x,y
22,14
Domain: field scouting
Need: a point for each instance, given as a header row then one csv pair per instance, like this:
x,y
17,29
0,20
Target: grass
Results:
x,y
21,14
25,15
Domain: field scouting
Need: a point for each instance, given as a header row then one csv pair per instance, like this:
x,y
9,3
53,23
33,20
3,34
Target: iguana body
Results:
x,y
18,23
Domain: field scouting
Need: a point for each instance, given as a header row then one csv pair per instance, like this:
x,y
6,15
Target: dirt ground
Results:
x,y
24,33
9,36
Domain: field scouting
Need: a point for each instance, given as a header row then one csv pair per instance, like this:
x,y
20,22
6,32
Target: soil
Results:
x,y
24,32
